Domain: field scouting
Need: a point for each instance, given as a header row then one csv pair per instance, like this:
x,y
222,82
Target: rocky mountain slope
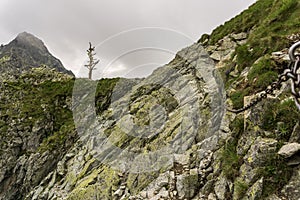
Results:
x,y
25,52
168,136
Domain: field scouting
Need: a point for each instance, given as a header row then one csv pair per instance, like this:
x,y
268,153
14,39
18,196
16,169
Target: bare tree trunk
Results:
x,y
92,61
90,73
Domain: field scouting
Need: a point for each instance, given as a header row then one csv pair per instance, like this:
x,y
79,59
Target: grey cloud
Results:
x,y
66,26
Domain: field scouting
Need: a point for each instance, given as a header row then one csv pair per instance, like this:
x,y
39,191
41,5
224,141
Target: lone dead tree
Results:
x,y
92,61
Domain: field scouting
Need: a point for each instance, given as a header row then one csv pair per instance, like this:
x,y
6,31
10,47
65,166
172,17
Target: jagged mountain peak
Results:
x,y
25,52
26,38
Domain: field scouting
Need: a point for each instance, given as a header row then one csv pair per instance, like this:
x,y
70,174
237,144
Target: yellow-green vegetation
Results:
x,y
191,182
118,137
262,74
103,94
137,182
4,59
91,192
285,114
243,22
58,139
240,188
231,161
269,24
237,98
63,90
276,174
277,117
148,96
269,20
40,104
86,168
163,96
105,181
43,98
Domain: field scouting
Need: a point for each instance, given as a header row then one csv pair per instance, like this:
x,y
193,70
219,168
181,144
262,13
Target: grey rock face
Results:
x,y
254,193
239,36
26,120
291,190
289,150
156,140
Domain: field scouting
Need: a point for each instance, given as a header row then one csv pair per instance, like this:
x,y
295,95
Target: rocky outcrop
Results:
x,y
30,115
289,150
152,142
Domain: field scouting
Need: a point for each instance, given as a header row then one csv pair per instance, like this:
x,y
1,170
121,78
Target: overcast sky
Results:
x,y
131,36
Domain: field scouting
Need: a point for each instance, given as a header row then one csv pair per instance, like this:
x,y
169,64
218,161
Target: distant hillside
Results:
x,y
25,52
